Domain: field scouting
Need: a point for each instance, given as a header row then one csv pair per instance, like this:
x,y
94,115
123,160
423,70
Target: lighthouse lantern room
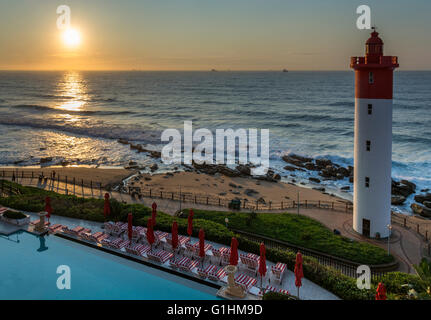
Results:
x,y
373,139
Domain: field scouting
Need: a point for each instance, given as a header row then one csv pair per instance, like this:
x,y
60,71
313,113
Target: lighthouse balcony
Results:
x,y
374,62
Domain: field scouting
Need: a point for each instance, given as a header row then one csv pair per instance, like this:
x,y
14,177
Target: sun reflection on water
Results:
x,y
74,88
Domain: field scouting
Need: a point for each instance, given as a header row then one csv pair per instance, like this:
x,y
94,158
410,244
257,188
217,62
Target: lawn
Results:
x,y
301,231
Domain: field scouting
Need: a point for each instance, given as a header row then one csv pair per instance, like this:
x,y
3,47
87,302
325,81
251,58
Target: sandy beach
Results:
x,y
228,187
103,176
190,182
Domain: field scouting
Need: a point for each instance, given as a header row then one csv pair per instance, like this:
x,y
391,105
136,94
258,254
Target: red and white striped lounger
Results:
x,y
137,233
118,243
216,275
187,265
161,235
3,210
203,273
108,226
251,264
245,281
137,249
76,231
118,228
173,263
278,271
216,255
190,248
207,247
160,256
265,290
96,237
55,228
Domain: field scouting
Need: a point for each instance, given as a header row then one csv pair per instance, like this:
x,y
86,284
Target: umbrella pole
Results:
x,y
298,292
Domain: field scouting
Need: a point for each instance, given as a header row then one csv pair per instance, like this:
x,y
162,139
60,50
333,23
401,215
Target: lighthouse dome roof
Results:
x,y
374,39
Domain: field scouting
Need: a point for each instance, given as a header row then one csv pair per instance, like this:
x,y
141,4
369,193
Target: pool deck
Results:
x,y
308,291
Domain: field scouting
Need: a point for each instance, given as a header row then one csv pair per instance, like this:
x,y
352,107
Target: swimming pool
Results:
x,y
28,270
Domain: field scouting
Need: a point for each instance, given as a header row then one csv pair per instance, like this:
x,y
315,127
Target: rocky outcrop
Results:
x,y
403,188
421,198
314,180
421,210
397,200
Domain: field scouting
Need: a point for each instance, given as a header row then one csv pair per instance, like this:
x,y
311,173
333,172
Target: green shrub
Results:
x,y
277,296
301,231
14,215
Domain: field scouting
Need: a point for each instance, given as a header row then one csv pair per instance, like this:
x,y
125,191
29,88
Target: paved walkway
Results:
x,y
406,245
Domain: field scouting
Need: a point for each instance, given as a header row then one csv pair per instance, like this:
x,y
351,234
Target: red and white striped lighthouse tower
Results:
x,y
373,139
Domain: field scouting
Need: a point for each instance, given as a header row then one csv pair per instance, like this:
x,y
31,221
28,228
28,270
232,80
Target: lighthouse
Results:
x,y
373,139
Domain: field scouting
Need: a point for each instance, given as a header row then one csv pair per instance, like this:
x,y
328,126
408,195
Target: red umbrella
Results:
x,y
299,274
381,292
107,206
190,223
262,262
154,213
201,243
130,226
174,235
150,233
48,207
233,252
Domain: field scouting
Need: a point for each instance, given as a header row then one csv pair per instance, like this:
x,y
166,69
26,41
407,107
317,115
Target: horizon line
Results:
x,y
197,70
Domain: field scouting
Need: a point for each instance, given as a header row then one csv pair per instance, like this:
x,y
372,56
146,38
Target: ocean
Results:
x,y
77,117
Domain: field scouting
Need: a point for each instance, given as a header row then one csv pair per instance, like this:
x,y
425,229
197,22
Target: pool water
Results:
x,y
28,270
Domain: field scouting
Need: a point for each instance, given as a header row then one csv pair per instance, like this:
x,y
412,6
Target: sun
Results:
x,y
71,37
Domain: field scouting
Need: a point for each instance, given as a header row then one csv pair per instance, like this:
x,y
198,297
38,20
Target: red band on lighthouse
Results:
x,y
374,72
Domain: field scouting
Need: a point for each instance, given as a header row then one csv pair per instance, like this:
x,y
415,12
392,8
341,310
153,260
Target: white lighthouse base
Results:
x,y
372,201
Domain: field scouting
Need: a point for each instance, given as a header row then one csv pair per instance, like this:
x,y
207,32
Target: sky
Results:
x,y
209,34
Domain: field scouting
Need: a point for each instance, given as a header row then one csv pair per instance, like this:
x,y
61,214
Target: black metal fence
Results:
x,y
345,267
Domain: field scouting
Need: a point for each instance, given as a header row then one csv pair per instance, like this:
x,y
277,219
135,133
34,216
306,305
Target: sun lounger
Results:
x,y
3,210
190,249
55,228
173,263
118,228
137,249
278,271
271,289
118,243
245,281
216,255
160,256
95,237
137,233
161,235
108,226
216,275
251,264
203,273
76,231
187,265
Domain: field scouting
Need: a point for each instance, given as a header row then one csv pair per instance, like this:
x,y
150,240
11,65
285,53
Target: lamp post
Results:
x,y
226,220
389,236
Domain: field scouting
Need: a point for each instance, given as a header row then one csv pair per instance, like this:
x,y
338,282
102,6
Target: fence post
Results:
x,y
195,199
418,228
347,206
172,195
91,185
150,193
161,194
257,205
426,235
405,222
66,182
73,183
100,187
219,202
332,205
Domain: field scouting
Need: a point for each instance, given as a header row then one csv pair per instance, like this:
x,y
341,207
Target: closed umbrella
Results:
x,y
202,243
48,207
381,292
107,206
233,252
299,274
154,213
190,223
150,233
262,263
174,235
130,226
